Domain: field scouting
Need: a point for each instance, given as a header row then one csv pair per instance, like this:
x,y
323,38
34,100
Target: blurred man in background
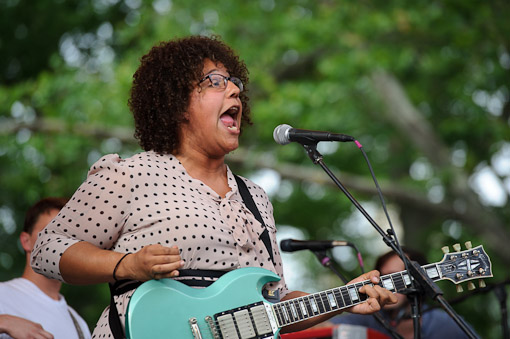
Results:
x,y
31,305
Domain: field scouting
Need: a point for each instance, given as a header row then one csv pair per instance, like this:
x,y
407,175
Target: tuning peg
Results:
x,y
445,249
471,286
468,245
456,247
481,283
459,289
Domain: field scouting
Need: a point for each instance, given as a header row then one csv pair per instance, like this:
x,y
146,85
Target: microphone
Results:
x,y
284,134
291,245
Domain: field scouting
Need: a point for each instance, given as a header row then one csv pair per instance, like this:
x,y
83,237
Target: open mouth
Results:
x,y
229,118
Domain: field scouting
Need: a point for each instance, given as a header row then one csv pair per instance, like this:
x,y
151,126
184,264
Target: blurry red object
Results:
x,y
343,331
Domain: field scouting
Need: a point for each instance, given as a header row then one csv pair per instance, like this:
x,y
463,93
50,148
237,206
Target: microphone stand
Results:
x,y
326,262
419,276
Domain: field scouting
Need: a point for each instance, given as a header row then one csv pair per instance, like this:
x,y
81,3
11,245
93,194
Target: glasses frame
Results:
x,y
236,81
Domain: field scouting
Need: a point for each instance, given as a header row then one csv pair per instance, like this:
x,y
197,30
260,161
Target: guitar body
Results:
x,y
163,308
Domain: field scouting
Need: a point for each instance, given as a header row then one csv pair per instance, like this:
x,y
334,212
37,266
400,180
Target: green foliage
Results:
x,y
312,66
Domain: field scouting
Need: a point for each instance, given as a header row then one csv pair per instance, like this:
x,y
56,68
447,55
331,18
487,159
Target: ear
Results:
x,y
26,243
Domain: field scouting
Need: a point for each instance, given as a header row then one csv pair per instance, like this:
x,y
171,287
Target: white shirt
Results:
x,y
20,297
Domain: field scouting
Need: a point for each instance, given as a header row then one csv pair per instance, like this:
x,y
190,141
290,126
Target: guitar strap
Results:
x,y
123,286
248,201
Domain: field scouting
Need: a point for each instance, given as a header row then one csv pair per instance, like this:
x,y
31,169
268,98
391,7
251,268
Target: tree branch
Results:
x,y
402,113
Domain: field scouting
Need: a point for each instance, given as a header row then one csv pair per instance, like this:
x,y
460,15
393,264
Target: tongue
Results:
x,y
227,120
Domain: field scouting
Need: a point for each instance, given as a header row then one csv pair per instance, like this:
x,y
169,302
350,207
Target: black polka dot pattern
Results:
x,y
126,204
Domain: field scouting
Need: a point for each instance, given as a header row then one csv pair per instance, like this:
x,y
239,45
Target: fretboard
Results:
x,y
302,308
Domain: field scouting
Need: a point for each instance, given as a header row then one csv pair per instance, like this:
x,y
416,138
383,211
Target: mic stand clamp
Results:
x,y
311,150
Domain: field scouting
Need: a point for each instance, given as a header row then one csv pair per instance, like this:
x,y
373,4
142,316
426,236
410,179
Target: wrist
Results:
x,y
118,269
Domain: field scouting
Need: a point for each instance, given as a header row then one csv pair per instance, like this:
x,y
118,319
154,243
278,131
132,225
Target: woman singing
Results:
x,y
176,207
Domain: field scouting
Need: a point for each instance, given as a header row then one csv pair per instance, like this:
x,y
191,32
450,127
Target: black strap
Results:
x,y
248,201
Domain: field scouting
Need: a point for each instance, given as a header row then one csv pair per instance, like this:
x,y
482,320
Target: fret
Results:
x,y
407,279
325,301
302,306
309,305
393,282
279,313
362,296
299,314
387,283
432,271
346,297
285,313
319,303
398,280
292,311
353,294
314,305
339,297
332,300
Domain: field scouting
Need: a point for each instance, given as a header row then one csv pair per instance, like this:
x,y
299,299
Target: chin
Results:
x,y
232,149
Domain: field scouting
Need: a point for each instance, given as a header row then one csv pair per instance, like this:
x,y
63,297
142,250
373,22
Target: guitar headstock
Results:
x,y
460,266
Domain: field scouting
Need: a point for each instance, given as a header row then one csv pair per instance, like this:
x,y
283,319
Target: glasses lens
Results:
x,y
217,80
237,82
220,81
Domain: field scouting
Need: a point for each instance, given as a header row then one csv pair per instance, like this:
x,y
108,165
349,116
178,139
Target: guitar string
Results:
x,y
294,314
291,308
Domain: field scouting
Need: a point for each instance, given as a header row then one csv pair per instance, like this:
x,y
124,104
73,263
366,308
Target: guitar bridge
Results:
x,y
212,327
195,330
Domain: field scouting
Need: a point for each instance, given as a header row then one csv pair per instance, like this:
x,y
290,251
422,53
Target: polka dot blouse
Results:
x,y
126,204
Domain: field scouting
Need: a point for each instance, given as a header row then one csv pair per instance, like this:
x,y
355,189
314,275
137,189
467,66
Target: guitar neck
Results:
x,y
299,309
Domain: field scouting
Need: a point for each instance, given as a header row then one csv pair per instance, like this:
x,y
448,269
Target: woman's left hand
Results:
x,y
377,295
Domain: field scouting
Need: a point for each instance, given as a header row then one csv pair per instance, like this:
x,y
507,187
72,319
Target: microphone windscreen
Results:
x,y
280,134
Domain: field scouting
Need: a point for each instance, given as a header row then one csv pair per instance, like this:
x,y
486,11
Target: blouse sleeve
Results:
x,y
96,213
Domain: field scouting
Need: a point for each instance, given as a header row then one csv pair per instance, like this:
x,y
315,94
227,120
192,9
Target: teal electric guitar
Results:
x,y
233,307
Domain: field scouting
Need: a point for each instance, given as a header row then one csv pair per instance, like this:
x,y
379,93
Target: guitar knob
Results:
x,y
471,286
456,247
459,289
445,249
468,245
481,283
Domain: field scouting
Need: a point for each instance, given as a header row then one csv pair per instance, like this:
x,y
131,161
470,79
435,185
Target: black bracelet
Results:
x,y
117,266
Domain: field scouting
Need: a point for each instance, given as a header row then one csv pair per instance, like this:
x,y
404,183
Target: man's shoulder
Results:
x,y
11,284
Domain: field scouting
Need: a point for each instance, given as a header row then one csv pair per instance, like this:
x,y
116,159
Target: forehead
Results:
x,y
211,67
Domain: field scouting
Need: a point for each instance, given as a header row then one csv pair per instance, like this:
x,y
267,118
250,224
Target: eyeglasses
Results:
x,y
220,81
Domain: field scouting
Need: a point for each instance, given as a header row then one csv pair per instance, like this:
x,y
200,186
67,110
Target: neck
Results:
x,y
211,171
202,166
50,287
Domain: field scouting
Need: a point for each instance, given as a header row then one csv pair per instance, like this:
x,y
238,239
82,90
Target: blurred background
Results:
x,y
423,86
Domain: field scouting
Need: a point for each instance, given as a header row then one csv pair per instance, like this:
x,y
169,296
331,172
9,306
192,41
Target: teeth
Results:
x,y
233,110
233,128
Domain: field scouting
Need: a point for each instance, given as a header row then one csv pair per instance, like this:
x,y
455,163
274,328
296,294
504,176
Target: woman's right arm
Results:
x,y
151,262
75,247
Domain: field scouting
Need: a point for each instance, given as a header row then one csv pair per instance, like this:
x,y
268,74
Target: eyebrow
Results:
x,y
217,70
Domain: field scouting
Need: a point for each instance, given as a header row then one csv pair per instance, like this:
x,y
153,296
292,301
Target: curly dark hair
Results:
x,y
163,83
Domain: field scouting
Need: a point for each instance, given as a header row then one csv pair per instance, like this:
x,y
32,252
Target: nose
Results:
x,y
232,90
